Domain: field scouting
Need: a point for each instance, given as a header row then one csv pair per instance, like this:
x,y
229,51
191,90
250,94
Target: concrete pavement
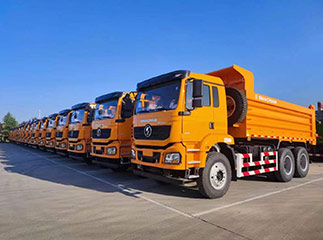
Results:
x,y
46,196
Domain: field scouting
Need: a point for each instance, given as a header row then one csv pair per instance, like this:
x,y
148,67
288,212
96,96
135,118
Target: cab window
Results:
x,y
215,95
189,95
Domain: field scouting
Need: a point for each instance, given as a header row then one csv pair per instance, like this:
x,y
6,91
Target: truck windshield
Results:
x,y
106,110
62,120
42,125
51,123
158,98
77,116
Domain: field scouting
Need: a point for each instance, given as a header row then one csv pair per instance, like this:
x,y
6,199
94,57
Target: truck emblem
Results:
x,y
98,132
148,130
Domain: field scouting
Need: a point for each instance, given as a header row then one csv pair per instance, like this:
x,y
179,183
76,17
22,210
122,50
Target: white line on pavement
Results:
x,y
122,189
254,198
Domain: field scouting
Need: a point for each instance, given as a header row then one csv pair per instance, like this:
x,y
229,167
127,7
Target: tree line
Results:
x,y
8,123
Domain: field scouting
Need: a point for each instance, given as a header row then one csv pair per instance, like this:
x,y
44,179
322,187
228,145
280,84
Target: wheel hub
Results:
x,y
303,162
218,175
288,165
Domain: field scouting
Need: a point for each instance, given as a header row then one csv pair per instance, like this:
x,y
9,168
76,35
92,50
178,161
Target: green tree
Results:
x,y
9,122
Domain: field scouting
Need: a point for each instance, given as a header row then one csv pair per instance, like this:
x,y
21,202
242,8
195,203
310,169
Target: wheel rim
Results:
x,y
288,167
231,106
303,163
218,175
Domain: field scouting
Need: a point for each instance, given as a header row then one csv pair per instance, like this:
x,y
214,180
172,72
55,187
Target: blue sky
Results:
x,y
54,54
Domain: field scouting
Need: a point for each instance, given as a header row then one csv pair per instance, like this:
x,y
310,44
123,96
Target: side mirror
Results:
x,y
197,103
197,88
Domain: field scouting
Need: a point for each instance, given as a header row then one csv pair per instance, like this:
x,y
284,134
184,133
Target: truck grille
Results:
x,y
158,133
73,134
154,159
39,135
48,134
33,134
59,134
102,133
98,151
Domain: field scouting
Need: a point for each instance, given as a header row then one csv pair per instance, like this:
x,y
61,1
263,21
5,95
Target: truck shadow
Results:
x,y
260,178
62,170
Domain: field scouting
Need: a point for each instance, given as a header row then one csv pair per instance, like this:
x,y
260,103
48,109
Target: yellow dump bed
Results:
x,y
268,117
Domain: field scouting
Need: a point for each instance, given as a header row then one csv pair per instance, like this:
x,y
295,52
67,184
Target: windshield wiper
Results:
x,y
161,109
144,111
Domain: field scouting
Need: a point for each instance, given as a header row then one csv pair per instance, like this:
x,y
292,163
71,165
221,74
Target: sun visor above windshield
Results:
x,y
80,106
64,112
108,96
176,75
52,116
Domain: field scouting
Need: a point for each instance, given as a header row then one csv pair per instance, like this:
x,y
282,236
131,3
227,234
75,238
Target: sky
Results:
x,y
54,54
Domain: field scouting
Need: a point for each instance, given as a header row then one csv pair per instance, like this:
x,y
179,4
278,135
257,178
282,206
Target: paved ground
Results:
x,y
45,196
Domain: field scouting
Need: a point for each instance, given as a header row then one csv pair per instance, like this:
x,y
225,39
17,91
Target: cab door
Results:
x,y
197,122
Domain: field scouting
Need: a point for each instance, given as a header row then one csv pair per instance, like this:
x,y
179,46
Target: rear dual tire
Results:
x,y
302,162
286,165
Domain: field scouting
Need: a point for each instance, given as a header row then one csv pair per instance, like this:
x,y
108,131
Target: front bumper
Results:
x,y
42,142
156,157
34,142
61,144
50,143
74,147
100,150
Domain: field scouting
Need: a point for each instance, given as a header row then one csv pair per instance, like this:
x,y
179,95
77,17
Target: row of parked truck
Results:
x,y
181,127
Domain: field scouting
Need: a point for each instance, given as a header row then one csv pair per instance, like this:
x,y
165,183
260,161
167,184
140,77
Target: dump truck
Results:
x,y
79,131
27,133
42,133
111,130
51,132
35,133
62,131
19,133
12,134
213,128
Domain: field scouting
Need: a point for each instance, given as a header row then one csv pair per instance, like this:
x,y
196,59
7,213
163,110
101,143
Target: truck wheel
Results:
x,y
302,162
215,178
237,106
286,165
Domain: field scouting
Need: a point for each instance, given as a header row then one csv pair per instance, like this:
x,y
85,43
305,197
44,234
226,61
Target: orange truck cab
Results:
x,y
42,133
111,129
34,133
11,134
10,137
79,131
51,132
27,133
62,131
19,133
213,128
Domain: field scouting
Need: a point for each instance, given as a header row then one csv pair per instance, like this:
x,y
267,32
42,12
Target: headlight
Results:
x,y
79,147
112,151
173,158
63,145
51,143
133,153
41,142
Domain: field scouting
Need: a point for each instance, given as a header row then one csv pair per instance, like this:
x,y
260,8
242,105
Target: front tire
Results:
x,y
215,178
286,165
302,162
